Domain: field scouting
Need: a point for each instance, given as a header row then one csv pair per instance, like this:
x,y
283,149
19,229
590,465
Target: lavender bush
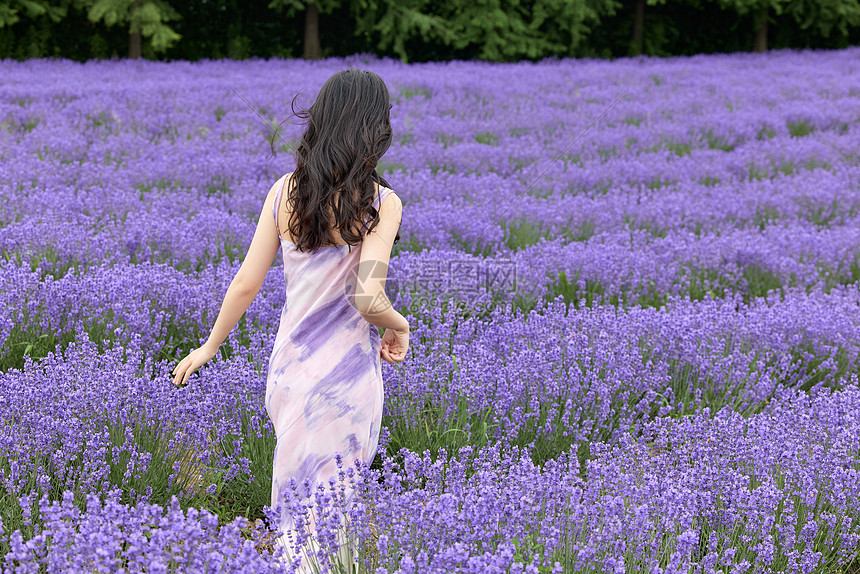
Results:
x,y
635,351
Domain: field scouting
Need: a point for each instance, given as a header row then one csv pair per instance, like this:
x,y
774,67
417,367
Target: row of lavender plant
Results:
x,y
187,228
171,308
776,491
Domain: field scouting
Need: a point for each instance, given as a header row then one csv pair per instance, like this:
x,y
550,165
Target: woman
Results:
x,y
324,387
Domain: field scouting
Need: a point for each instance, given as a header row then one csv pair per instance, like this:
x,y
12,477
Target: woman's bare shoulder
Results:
x,y
391,201
388,193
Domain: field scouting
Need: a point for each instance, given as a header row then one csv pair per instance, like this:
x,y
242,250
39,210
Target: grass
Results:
x,y
519,235
102,118
407,93
30,124
385,166
480,247
422,425
27,340
718,142
679,148
217,187
487,138
238,495
697,284
448,140
799,129
435,168
765,216
606,154
23,343
412,244
147,435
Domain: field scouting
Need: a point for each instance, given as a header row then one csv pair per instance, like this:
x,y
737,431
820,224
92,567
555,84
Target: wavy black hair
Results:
x,y
348,129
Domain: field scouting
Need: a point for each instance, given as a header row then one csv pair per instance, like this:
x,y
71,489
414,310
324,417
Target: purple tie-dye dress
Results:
x,y
324,388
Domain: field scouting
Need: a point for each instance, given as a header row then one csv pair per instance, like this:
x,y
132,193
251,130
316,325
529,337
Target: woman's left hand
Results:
x,y
193,361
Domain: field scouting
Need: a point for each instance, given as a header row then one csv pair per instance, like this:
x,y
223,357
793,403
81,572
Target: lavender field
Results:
x,y
633,351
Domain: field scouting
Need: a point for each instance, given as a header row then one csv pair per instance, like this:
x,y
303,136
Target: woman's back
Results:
x,y
322,276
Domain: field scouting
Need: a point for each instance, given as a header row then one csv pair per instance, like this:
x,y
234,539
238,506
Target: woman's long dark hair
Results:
x,y
348,131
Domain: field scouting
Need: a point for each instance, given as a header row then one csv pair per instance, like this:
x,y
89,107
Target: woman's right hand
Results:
x,y
395,344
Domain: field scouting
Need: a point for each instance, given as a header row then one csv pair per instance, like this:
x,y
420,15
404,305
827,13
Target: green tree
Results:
x,y
638,28
639,20
822,14
312,9
145,19
11,10
760,10
569,22
394,22
494,30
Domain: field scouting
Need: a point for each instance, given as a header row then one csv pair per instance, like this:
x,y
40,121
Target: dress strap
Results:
x,y
377,202
380,197
277,204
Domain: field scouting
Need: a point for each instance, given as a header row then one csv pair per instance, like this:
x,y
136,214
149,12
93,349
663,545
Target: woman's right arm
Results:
x,y
370,299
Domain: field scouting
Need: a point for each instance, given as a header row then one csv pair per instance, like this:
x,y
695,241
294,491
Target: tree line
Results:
x,y
418,30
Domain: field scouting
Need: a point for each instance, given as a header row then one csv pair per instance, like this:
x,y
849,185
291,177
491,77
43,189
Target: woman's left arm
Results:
x,y
244,287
